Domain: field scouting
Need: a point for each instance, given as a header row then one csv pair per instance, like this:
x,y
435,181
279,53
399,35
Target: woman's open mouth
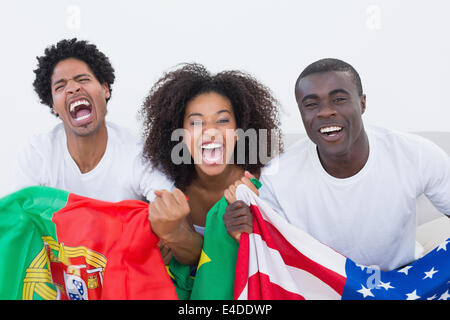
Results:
x,y
212,153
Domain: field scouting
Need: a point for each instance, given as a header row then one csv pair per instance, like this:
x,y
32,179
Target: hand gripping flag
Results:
x,y
214,276
213,279
57,245
280,261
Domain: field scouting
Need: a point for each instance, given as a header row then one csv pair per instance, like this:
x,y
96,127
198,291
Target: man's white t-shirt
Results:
x,y
371,216
121,174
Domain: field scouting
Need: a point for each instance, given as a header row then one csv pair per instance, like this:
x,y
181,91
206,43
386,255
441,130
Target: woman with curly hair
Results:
x,y
208,110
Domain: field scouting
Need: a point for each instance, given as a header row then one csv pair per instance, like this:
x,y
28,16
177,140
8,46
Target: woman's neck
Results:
x,y
218,182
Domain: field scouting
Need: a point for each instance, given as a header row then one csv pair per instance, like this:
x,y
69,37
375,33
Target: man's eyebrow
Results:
x,y
58,81
76,77
310,96
82,75
337,91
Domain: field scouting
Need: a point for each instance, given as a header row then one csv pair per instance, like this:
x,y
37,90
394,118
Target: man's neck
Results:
x,y
348,164
87,151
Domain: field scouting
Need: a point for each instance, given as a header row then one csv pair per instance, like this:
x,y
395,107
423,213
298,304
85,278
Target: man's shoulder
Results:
x,y
41,150
126,148
294,156
123,136
392,134
397,140
294,152
46,141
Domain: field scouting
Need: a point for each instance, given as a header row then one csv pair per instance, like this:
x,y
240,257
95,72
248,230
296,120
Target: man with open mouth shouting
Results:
x,y
84,154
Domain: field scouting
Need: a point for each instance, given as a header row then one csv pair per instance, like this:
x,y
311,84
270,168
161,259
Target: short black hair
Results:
x,y
70,48
331,64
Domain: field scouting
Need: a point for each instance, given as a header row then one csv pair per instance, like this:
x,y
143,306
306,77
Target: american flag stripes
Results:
x,y
280,261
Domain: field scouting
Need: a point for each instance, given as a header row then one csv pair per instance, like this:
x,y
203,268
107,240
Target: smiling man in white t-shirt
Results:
x,y
84,154
351,187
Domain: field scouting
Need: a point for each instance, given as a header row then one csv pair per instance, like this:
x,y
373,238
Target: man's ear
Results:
x,y
363,103
106,90
53,110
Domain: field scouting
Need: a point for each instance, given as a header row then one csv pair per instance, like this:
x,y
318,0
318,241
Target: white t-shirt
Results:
x,y
121,173
371,216
199,229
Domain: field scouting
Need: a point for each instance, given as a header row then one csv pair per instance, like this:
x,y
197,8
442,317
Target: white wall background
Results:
x,y
401,49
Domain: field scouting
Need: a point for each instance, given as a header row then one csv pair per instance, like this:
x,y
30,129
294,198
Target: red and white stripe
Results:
x,y
280,261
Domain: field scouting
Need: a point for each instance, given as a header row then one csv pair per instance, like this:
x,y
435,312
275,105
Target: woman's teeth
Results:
x,y
212,146
212,152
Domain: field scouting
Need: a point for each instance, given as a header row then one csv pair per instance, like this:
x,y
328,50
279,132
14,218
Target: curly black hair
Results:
x,y
164,107
70,48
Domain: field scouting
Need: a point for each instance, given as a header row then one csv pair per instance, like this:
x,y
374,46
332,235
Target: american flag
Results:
x,y
280,261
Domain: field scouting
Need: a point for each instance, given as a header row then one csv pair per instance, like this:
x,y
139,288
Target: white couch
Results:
x,y
432,226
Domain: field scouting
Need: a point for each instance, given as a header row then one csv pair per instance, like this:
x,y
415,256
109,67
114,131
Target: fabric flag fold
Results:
x,y
58,245
280,261
213,277
218,259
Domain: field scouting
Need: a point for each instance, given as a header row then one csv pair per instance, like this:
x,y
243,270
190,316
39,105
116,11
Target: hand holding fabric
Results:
x,y
168,215
230,192
238,219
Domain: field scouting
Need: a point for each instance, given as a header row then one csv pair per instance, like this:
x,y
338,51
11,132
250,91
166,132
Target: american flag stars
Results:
x,y
430,273
412,296
443,245
427,279
405,270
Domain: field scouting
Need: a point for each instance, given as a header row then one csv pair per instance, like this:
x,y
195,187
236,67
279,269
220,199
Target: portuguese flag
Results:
x,y
58,245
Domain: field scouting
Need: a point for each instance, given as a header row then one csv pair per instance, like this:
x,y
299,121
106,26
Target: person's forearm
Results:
x,y
186,246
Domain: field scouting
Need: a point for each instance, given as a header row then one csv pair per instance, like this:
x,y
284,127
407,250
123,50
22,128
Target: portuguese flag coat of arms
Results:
x,y
58,245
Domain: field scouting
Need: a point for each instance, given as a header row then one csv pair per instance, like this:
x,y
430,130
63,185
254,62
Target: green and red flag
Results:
x,y
58,245
215,271
214,277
